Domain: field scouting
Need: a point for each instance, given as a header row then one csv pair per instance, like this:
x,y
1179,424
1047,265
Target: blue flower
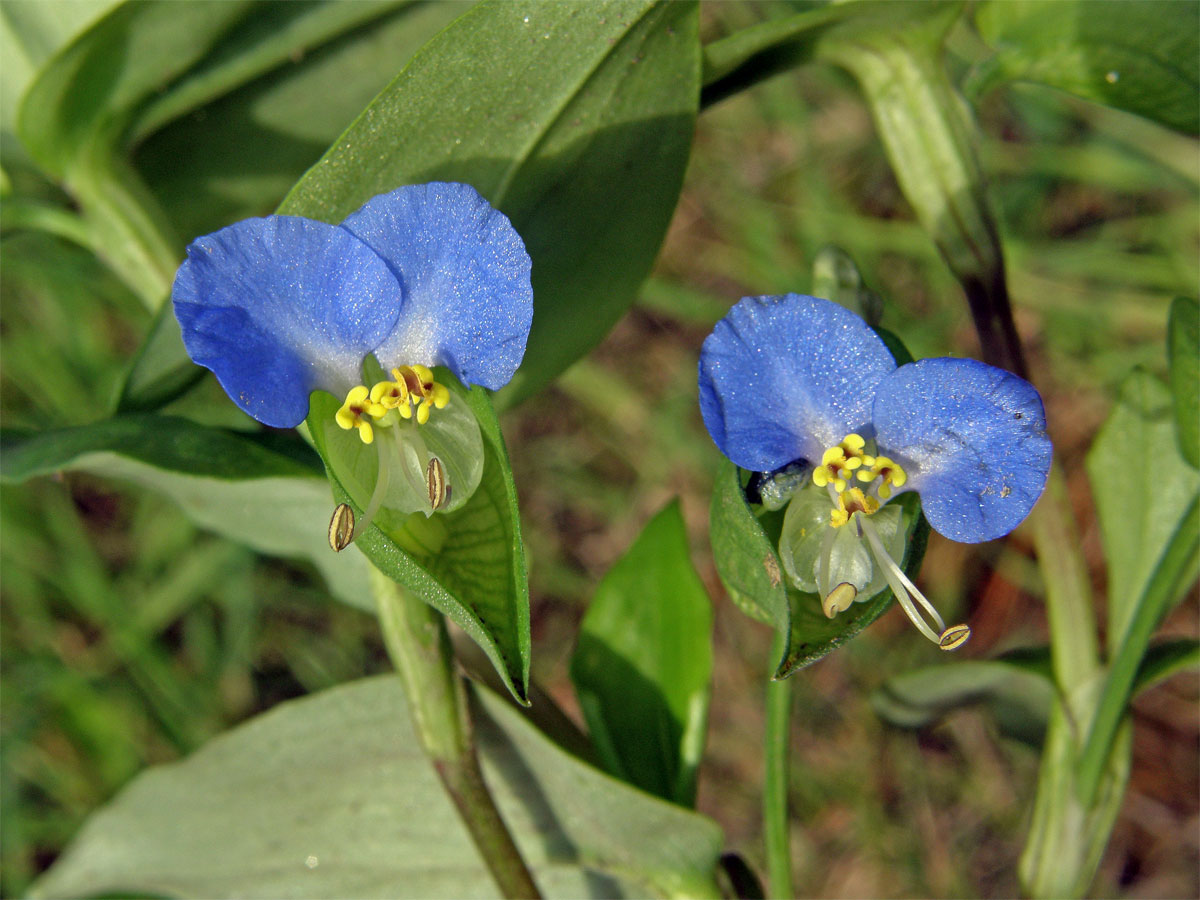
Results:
x,y
426,275
796,378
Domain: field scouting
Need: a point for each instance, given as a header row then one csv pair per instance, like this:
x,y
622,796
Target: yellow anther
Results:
x,y
355,411
887,471
849,503
390,394
852,444
837,463
954,637
421,393
839,599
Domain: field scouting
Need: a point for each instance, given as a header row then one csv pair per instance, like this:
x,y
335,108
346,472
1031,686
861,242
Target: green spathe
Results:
x,y
807,533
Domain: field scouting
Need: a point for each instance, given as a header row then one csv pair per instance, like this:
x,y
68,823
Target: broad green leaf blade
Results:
x,y
1183,354
574,119
1018,694
1142,488
267,495
468,564
74,117
30,32
1136,55
91,85
240,152
331,796
269,37
643,663
158,62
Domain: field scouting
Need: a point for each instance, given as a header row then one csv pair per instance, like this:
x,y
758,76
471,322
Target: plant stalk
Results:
x,y
777,745
419,647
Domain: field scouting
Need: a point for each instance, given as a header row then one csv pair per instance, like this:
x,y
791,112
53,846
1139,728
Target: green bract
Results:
x,y
807,532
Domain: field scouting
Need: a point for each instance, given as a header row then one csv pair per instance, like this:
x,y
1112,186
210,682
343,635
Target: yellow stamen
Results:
x,y
888,471
839,599
954,637
837,463
849,503
421,394
355,411
390,394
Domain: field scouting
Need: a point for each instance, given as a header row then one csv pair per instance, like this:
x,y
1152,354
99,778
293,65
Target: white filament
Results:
x,y
901,586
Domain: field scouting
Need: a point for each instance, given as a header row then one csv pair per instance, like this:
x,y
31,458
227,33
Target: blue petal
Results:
x,y
280,306
468,302
784,378
972,439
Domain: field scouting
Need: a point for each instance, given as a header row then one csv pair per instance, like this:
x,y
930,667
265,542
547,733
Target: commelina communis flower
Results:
x,y
426,276
797,383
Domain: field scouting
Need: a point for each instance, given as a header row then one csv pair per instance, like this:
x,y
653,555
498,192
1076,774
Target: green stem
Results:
x,y
1075,651
777,745
419,647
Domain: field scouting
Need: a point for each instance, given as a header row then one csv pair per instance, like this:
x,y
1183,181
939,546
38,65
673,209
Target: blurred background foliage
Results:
x,y
130,637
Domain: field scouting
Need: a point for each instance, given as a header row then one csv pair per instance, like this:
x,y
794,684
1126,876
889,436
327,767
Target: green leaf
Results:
x,y
749,55
1173,572
1017,690
644,660
74,117
157,62
1183,355
468,564
265,493
30,32
744,555
270,36
141,66
331,796
1166,659
1139,505
573,119
1136,55
750,569
1150,521
248,137
85,92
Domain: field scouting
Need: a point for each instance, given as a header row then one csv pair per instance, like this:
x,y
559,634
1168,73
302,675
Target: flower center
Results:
x,y
847,460
848,504
840,465
413,394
